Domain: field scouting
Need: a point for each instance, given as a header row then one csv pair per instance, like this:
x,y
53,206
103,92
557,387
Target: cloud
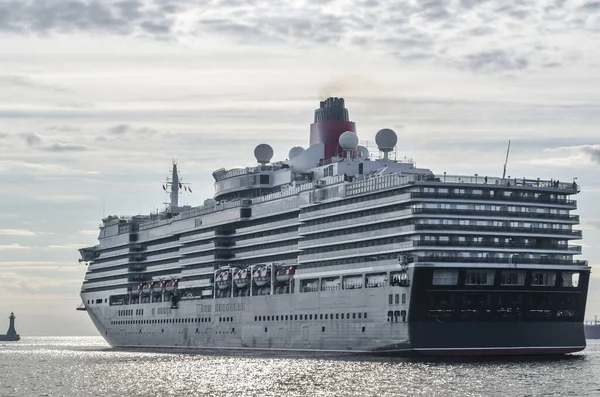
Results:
x,y
67,246
24,81
31,284
484,36
31,139
89,232
63,197
591,6
593,151
60,147
16,232
570,155
123,129
15,246
119,129
111,17
3,135
494,61
63,128
20,266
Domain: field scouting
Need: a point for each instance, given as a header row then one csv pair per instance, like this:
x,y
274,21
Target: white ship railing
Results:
x,y
522,182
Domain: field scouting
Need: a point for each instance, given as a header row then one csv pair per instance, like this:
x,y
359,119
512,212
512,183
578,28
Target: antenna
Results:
x,y
175,186
506,161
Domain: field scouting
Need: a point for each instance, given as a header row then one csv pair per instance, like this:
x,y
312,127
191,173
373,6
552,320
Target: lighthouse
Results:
x,y
11,335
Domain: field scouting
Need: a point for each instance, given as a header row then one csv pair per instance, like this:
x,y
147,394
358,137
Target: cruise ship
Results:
x,y
336,249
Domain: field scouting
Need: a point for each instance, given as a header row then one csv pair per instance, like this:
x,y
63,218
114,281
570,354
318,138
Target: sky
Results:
x,y
97,98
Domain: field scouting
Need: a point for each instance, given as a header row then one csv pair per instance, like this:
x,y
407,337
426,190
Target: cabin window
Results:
x,y
543,279
570,279
479,277
403,301
444,277
512,278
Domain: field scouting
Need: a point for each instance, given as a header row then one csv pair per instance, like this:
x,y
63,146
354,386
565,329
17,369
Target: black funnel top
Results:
x,y
331,109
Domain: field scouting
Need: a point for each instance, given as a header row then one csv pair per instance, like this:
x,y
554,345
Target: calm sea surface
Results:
x,y
86,366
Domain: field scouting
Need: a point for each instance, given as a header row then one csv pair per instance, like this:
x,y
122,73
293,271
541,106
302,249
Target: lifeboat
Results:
x,y
161,287
146,289
262,276
172,285
223,279
155,288
137,289
285,274
242,278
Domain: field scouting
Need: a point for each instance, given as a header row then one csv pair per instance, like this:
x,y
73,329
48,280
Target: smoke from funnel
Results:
x,y
349,85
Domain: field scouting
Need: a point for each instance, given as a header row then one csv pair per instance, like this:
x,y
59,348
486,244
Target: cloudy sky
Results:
x,y
97,97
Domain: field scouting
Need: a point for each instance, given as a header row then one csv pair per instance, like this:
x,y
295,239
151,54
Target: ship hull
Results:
x,y
496,338
313,323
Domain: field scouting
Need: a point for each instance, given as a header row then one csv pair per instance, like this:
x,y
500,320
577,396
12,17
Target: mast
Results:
x,y
506,161
174,187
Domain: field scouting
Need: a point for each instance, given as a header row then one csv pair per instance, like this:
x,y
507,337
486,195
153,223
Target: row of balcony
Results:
x,y
349,207
495,214
509,229
489,244
515,259
497,197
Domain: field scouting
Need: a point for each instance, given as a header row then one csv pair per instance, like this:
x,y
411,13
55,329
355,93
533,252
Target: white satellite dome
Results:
x,y
263,153
386,139
295,152
348,140
363,152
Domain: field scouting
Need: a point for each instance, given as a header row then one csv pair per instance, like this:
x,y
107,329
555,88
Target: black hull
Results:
x,y
495,319
6,338
493,338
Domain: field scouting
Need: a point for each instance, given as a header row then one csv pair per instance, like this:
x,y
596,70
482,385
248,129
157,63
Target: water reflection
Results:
x,y
88,367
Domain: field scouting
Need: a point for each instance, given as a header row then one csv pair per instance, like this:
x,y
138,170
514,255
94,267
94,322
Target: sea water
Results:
x,y
87,366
